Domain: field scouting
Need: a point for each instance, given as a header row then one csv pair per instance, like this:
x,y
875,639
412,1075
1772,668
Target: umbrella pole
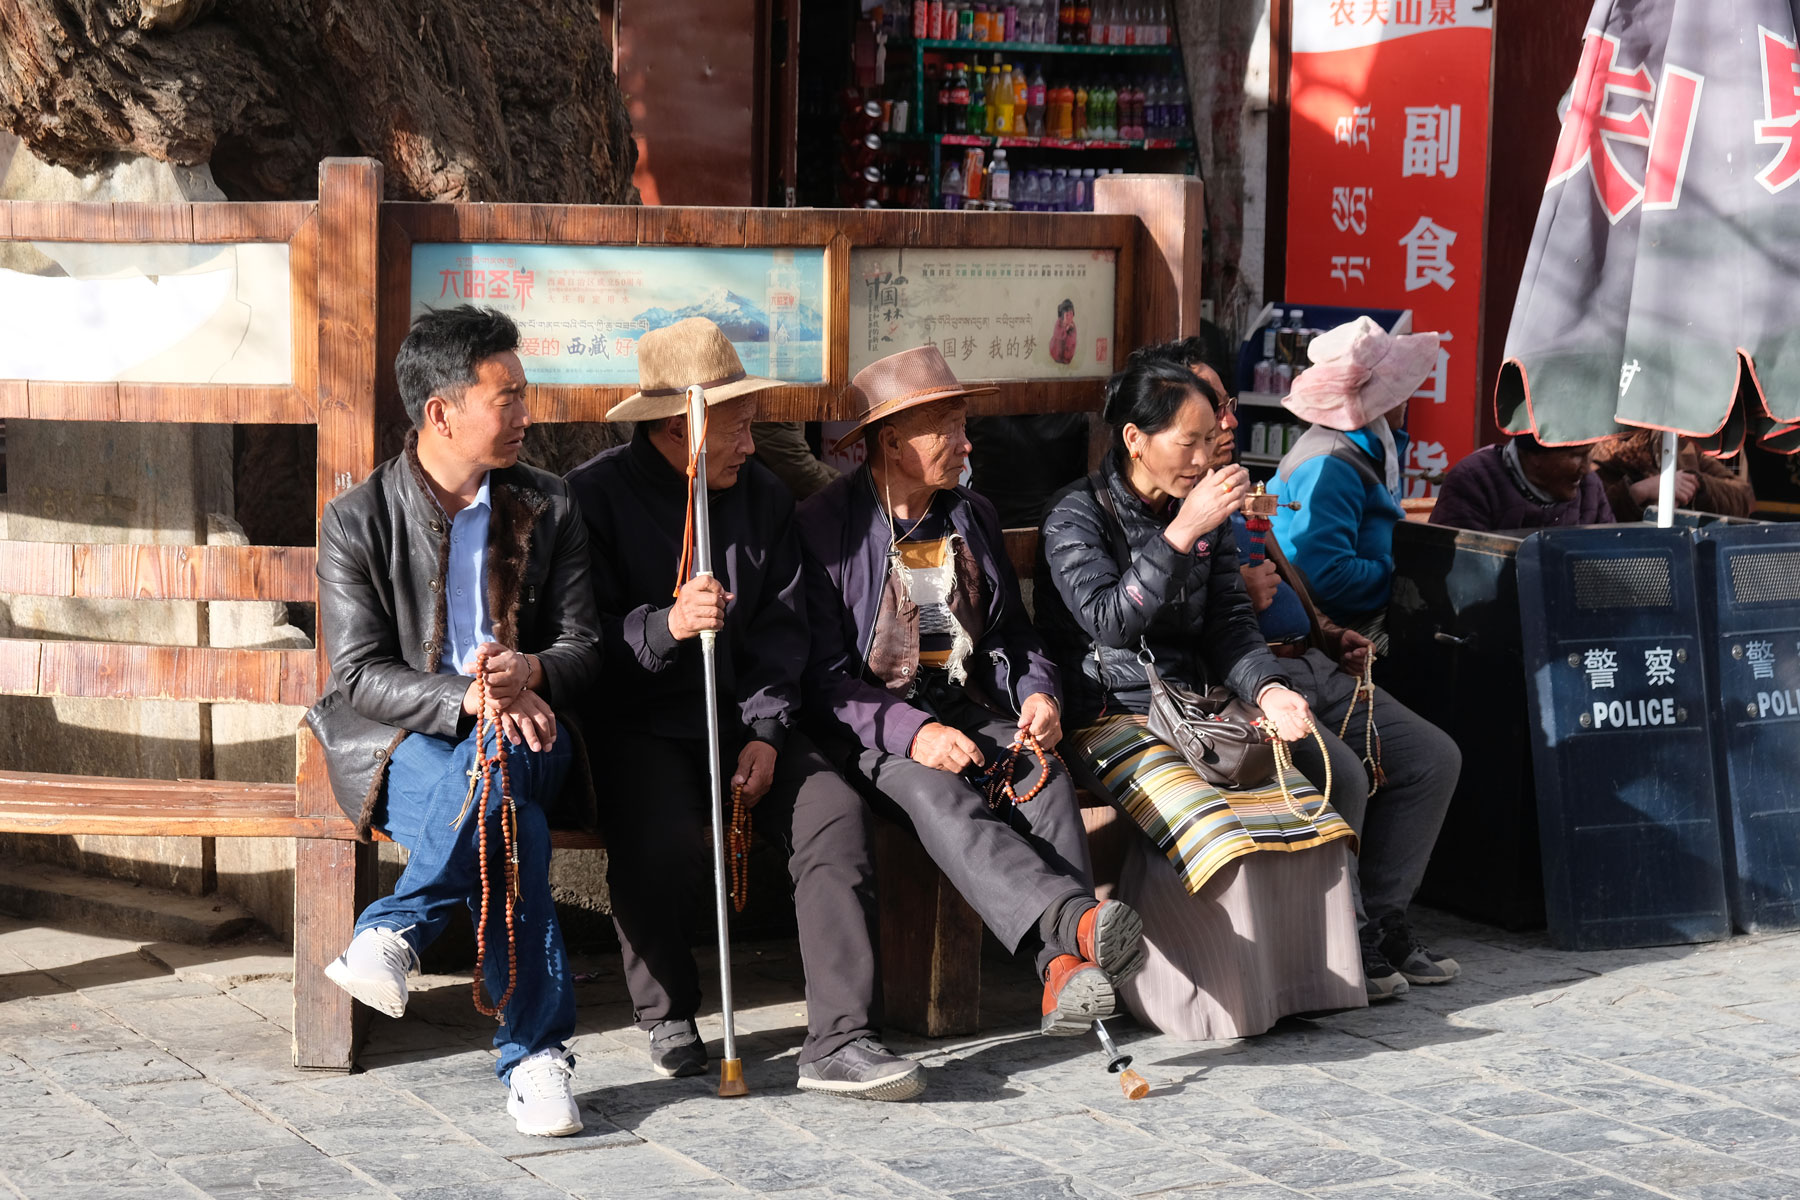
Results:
x,y
731,1068
1665,490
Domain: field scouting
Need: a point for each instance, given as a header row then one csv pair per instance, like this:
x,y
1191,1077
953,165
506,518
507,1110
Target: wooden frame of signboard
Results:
x,y
350,271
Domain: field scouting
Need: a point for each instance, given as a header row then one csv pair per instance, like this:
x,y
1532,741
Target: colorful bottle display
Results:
x,y
1008,99
1042,22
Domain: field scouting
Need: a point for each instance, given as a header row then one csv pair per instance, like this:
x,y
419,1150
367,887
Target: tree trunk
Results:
x,y
460,99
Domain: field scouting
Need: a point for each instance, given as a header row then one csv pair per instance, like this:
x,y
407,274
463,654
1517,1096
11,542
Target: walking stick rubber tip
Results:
x,y
731,1078
1135,1086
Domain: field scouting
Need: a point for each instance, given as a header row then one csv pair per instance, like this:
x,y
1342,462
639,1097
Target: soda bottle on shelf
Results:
x,y
1097,26
977,118
1079,114
1035,96
999,98
1178,108
950,189
999,179
1115,23
1021,101
1263,375
1084,19
1010,22
1065,23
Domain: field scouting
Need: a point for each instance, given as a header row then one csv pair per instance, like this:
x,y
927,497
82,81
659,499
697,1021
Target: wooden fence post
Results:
x,y
1167,289
331,877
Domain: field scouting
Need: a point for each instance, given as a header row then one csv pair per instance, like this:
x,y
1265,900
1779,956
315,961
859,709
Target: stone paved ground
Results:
x,y
162,1071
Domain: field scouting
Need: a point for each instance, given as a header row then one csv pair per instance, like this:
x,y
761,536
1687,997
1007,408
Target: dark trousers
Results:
x,y
1397,826
656,816
1012,866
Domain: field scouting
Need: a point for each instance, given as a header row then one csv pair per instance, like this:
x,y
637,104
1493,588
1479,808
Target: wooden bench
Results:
x,y
350,261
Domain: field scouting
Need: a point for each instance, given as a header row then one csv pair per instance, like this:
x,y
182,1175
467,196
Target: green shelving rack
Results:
x,y
938,141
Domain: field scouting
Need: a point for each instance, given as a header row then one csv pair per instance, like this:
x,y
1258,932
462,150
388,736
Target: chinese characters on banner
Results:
x,y
1387,186
994,314
581,309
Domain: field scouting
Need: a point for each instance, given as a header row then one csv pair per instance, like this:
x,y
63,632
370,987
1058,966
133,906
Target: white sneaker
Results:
x,y
541,1096
374,969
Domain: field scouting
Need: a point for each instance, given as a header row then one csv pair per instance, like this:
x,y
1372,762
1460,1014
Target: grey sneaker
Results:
x,y
866,1070
1379,977
1412,958
676,1049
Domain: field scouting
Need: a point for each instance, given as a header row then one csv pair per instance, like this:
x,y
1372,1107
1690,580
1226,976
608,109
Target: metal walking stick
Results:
x,y
731,1069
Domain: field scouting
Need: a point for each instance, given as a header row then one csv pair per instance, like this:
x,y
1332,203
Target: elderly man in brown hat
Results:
x,y
647,727
927,672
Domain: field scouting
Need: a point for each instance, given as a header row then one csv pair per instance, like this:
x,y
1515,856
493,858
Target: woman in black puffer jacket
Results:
x,y
1182,597
1157,571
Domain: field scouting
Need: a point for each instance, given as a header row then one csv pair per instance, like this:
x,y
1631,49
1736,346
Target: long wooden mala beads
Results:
x,y
1000,778
1365,694
738,843
481,777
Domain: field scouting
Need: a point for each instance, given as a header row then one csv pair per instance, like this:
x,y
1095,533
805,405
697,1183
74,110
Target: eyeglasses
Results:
x,y
1227,407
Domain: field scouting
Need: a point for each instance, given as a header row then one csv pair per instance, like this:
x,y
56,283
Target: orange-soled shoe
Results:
x,y
1076,994
1111,936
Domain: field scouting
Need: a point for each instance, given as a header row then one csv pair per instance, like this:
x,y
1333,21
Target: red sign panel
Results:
x,y
1387,185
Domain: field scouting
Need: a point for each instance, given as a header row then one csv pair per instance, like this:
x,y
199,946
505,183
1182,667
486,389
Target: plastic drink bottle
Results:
x,y
1065,23
999,180
1084,19
1034,103
951,190
1079,116
1097,23
1021,102
977,118
1000,100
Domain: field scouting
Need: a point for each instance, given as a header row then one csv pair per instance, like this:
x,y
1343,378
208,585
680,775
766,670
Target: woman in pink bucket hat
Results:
x,y
1345,471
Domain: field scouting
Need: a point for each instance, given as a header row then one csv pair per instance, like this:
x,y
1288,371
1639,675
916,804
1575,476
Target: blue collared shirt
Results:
x,y
469,622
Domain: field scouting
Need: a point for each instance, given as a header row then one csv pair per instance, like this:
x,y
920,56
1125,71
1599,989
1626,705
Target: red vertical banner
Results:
x,y
1387,183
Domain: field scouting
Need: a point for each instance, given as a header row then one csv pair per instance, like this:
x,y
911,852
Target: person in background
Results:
x,y
1630,466
926,670
1020,463
1345,470
1523,484
782,447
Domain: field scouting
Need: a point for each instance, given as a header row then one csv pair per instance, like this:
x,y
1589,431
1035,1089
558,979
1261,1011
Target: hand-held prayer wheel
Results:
x,y
1259,511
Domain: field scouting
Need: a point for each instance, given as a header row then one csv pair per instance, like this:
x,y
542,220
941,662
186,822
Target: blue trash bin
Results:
x,y
1750,604
1621,738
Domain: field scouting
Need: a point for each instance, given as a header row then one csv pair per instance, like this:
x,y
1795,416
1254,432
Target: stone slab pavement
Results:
x,y
146,1070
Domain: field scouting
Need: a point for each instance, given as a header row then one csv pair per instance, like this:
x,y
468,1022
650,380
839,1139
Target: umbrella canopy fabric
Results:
x,y
1662,289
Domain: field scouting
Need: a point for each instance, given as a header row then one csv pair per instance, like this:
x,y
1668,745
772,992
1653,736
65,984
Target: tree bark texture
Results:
x,y
460,99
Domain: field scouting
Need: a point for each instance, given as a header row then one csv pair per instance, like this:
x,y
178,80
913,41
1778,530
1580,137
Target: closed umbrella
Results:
x,y
1662,290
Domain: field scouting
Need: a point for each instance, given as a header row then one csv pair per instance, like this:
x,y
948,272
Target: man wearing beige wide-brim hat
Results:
x,y
646,724
926,671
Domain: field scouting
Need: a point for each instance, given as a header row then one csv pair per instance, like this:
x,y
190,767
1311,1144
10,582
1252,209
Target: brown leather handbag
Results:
x,y
1222,735
1218,732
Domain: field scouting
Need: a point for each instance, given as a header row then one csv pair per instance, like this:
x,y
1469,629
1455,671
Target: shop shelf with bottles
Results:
x,y
1269,359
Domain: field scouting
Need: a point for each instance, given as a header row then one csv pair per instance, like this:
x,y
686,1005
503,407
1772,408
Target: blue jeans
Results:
x,y
427,782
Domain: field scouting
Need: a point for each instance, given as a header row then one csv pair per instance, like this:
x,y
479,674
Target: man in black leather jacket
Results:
x,y
450,561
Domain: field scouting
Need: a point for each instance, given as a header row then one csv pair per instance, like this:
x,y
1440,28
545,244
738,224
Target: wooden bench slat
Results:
x,y
120,671
191,403
102,571
32,803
